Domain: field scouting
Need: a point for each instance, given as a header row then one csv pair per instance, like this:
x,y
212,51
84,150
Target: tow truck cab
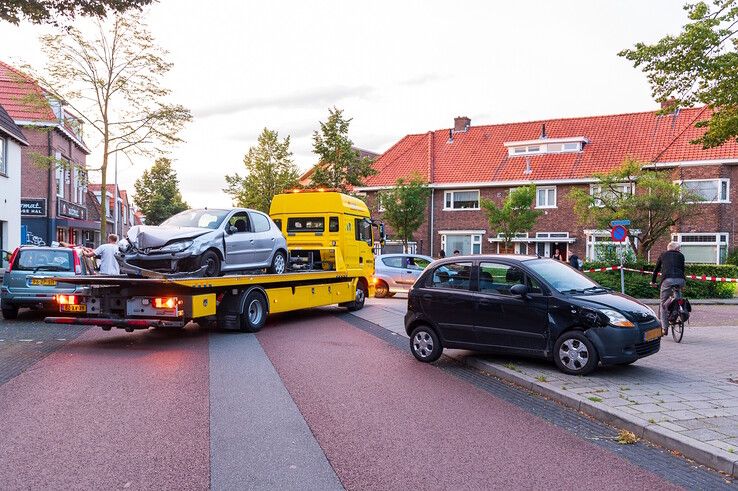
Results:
x,y
328,230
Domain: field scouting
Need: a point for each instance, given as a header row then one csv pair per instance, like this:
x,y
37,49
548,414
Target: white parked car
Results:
x,y
396,273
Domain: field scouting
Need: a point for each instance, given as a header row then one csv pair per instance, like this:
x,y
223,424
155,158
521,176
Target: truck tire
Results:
x,y
254,314
360,298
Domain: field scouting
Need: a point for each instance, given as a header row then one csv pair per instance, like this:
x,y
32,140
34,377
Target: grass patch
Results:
x,y
652,421
624,388
626,437
731,450
541,378
511,366
595,399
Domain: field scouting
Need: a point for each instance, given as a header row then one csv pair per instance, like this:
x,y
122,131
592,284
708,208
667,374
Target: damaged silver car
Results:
x,y
210,241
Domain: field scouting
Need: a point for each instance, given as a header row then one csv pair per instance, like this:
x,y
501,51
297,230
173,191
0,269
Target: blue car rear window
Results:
x,y
44,260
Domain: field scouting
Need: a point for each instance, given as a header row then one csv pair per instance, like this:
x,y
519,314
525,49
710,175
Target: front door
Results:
x,y
239,242
448,300
509,320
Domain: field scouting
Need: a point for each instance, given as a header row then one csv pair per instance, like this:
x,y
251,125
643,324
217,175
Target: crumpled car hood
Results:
x,y
146,236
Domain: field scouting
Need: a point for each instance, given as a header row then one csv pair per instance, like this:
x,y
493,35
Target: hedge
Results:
x,y
638,285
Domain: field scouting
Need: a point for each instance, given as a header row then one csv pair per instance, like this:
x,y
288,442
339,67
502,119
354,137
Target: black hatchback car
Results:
x,y
528,306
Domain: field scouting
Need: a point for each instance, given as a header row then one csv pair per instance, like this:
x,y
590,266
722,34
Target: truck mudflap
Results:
x,y
127,324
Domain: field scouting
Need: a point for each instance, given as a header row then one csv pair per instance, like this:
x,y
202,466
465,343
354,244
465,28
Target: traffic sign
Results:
x,y
619,233
625,223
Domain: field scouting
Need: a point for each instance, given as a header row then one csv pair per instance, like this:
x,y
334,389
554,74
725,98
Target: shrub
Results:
x,y
638,284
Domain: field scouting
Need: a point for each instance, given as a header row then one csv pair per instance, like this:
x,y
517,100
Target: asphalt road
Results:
x,y
312,402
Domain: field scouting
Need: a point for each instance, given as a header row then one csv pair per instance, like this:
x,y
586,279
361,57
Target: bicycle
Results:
x,y
678,313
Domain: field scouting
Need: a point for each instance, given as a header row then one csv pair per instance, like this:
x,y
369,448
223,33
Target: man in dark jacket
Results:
x,y
671,266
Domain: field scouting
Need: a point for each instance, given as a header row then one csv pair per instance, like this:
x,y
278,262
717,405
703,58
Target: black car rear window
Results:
x,y
44,260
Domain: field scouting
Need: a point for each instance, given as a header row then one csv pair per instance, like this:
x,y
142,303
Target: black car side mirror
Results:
x,y
521,290
231,229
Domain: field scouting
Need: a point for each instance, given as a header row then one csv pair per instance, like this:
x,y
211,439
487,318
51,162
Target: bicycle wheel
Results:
x,y
677,330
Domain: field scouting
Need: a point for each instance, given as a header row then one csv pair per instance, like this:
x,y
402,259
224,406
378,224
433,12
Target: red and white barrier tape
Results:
x,y
714,279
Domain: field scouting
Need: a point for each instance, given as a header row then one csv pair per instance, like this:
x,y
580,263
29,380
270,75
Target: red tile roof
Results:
x,y
479,154
22,97
25,101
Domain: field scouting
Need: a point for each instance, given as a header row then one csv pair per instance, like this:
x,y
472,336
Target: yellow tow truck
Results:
x,y
330,239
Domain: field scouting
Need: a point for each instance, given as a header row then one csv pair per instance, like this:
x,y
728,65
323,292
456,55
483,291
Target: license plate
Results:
x,y
43,282
73,308
652,334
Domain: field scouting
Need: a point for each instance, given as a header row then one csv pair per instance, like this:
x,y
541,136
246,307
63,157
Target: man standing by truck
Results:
x,y
106,253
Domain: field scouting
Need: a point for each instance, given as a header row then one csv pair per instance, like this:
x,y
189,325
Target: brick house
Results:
x,y
120,215
465,163
11,143
54,169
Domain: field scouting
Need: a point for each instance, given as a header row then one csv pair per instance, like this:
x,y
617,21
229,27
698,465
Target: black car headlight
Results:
x,y
616,318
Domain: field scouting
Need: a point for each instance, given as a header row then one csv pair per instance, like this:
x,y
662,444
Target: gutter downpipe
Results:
x,y
50,222
431,168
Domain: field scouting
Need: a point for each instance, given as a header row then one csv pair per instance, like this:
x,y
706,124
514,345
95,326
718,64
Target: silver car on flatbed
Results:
x,y
215,240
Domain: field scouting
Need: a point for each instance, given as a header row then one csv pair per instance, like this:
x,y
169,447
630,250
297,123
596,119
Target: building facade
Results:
x,y
11,143
54,169
465,164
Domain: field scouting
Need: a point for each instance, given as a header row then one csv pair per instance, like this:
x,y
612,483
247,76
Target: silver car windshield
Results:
x,y
560,276
196,218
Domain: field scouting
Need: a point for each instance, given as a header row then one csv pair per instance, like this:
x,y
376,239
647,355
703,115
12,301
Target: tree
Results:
x,y
653,208
157,192
340,166
516,215
113,81
48,11
698,67
404,206
269,171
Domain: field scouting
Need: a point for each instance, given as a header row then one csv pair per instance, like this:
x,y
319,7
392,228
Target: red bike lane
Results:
x,y
110,410
386,421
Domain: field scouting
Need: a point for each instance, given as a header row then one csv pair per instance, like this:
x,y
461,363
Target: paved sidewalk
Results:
x,y
685,397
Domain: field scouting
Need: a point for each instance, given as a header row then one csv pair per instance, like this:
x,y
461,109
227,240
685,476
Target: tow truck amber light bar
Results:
x,y
66,299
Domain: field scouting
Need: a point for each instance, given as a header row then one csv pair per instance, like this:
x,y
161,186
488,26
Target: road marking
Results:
x,y
61,339
39,342
25,340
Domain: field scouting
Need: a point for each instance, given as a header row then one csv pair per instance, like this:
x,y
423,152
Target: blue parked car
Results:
x,y
28,280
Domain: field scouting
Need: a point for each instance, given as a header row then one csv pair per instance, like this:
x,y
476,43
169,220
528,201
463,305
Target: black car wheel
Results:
x,y
211,262
10,313
279,263
425,345
381,290
575,354
254,312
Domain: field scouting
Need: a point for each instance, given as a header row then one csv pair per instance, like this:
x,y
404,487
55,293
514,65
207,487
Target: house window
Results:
x,y
464,243
546,197
3,157
610,193
461,200
527,149
601,246
60,180
708,190
542,146
380,203
705,248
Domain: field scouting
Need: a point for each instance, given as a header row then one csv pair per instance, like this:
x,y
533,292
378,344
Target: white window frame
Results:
x,y
4,157
720,182
590,241
595,189
451,193
546,189
60,177
717,243
476,239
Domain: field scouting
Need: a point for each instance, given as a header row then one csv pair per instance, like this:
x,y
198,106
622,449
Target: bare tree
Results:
x,y
112,77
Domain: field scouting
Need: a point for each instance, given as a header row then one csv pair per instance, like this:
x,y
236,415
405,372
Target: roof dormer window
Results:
x,y
546,145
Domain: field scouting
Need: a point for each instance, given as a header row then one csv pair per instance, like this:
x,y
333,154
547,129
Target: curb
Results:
x,y
689,447
696,301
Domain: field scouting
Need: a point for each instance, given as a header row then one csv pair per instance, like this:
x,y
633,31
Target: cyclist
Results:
x,y
671,266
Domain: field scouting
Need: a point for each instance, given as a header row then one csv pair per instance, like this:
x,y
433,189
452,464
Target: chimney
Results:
x,y
461,124
543,131
669,103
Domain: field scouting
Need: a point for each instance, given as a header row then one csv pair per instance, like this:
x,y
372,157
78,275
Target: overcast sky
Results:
x,y
395,67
